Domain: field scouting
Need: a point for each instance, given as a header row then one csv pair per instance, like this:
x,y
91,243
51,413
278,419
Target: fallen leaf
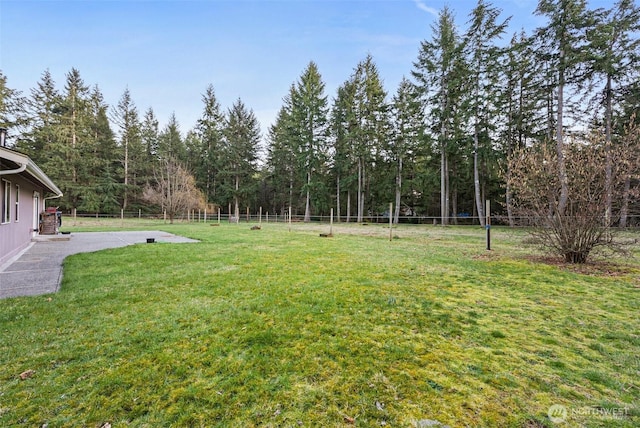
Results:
x,y
27,374
349,420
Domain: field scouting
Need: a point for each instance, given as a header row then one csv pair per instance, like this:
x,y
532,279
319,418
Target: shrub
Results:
x,y
584,224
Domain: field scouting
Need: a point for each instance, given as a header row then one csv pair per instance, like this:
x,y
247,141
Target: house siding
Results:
x,y
15,236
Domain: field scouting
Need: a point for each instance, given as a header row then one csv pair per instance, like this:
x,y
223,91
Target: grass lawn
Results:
x,y
276,328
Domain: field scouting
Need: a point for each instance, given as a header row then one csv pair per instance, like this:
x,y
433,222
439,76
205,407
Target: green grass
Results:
x,y
279,328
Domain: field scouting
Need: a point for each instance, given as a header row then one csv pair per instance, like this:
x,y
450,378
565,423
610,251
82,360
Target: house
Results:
x,y
24,189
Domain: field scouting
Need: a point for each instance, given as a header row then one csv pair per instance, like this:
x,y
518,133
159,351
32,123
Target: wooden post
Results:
x,y
247,214
218,215
205,215
390,221
139,213
331,223
260,217
165,216
289,218
488,224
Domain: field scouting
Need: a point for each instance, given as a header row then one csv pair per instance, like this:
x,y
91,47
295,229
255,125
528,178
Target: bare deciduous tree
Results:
x,y
174,189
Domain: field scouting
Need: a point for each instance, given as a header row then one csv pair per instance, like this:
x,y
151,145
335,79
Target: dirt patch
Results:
x,y
601,268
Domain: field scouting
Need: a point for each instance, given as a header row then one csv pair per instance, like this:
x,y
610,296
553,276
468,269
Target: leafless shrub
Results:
x,y
585,224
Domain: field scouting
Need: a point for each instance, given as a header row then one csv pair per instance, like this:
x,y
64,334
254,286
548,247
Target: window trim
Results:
x,y
5,215
17,211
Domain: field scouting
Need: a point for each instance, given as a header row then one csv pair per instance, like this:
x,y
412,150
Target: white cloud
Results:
x,y
422,6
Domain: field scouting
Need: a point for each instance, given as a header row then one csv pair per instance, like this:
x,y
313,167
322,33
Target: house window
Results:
x,y
6,202
17,217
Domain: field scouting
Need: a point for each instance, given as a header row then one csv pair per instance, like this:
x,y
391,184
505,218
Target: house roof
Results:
x,y
12,162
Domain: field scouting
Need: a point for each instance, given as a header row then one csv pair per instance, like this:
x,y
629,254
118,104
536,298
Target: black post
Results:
x,y
488,224
488,227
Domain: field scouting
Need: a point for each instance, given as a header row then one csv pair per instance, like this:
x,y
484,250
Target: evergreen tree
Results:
x,y
308,133
522,103
408,131
150,133
617,63
565,48
44,112
342,124
101,185
281,160
368,127
483,58
70,136
440,74
150,136
13,116
242,138
207,155
125,117
170,143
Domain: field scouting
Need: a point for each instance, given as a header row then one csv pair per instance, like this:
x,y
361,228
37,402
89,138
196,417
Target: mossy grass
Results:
x,y
279,328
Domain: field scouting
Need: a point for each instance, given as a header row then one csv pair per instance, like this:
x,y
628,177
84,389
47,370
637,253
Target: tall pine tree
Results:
x,y
242,139
208,156
309,131
440,74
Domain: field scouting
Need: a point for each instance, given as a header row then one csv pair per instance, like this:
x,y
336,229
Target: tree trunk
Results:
x,y
338,198
348,206
360,192
509,202
624,209
443,187
562,169
454,202
235,200
396,216
476,179
307,205
126,173
608,173
290,189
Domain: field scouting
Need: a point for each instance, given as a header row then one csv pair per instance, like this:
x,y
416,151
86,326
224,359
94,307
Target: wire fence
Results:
x,y
202,216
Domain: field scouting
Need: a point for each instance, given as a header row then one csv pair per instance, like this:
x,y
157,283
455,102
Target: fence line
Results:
x,y
195,216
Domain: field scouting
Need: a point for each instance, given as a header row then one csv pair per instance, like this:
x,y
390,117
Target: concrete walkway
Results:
x,y
38,269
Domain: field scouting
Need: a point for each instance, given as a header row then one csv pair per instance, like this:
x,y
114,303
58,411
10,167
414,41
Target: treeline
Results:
x,y
438,146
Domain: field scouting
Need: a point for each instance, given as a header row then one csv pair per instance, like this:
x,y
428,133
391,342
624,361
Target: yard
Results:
x,y
274,327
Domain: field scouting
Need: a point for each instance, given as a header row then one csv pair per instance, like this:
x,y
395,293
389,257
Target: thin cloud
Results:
x,y
422,6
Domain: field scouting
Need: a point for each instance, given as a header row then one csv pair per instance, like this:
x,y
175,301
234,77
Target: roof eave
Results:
x,y
35,171
32,169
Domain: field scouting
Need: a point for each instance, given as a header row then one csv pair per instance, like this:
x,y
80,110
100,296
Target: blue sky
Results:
x,y
168,51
